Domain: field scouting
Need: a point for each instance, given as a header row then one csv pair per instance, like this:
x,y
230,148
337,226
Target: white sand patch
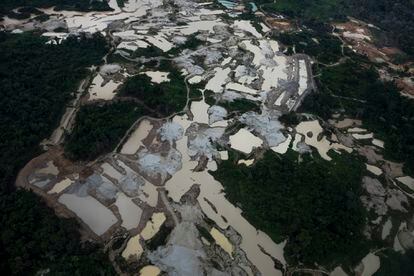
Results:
x,y
157,76
55,38
109,69
128,45
134,142
303,77
378,143
222,241
226,61
60,186
246,25
375,170
241,88
153,226
133,248
370,264
363,136
258,55
313,127
200,111
149,270
245,141
149,194
213,40
357,130
272,75
129,211
278,102
224,155
111,171
386,229
128,35
356,36
283,147
195,79
114,5
90,211
196,26
264,27
216,83
298,138
407,181
160,41
105,92
247,162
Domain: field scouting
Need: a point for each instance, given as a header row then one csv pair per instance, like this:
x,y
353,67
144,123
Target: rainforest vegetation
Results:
x,y
36,82
394,17
164,98
395,263
33,239
100,127
311,202
323,47
361,94
7,6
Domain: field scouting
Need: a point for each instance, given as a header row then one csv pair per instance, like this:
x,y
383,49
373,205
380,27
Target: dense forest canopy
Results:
x,y
323,47
312,202
32,239
165,97
361,94
99,128
395,17
6,6
36,82
395,263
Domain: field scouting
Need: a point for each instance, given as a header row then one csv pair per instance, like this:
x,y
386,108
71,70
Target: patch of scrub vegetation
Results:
x,y
191,43
240,105
205,233
395,263
355,89
196,90
290,119
311,202
32,239
160,238
237,105
323,47
306,9
165,98
121,3
150,51
99,128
